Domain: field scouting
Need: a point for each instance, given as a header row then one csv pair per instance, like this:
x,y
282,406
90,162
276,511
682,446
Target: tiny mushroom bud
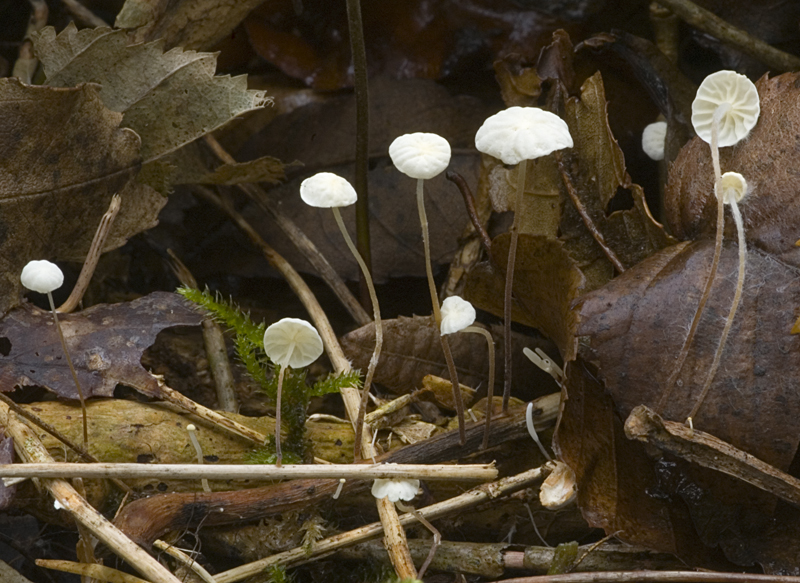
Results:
x,y
295,343
395,489
732,187
420,155
457,314
41,276
653,138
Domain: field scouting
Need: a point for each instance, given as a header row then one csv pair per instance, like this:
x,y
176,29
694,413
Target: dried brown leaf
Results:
x,y
105,342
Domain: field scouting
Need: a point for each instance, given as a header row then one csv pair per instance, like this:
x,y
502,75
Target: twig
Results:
x,y
266,472
185,559
469,203
95,571
25,66
361,86
469,499
83,14
214,340
656,576
711,452
298,238
31,450
95,251
709,22
587,220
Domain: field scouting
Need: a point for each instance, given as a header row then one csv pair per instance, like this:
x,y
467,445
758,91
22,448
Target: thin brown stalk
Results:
x,y
469,203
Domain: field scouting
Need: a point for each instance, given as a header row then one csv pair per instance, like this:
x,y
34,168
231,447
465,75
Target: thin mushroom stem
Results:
x,y
437,314
714,261
192,430
278,453
490,389
437,536
74,374
512,256
737,297
376,353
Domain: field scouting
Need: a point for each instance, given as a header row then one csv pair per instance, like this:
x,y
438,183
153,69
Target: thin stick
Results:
x,y
490,389
31,449
458,504
185,559
437,313
656,576
98,572
712,273
296,236
361,86
437,536
74,374
512,256
95,251
469,203
709,22
376,353
737,297
83,14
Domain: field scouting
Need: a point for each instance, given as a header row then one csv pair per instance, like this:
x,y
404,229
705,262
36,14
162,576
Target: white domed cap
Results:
x,y
292,342
420,155
738,97
653,138
732,186
326,190
395,489
457,314
522,133
41,276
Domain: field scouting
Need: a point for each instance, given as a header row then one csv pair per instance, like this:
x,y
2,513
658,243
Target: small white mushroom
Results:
x,y
732,187
395,489
328,190
295,343
653,138
45,277
420,155
560,488
733,99
516,135
457,314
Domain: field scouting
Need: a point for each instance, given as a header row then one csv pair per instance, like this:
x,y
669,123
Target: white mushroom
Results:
x,y
457,314
328,190
294,343
45,277
516,135
423,156
395,489
653,138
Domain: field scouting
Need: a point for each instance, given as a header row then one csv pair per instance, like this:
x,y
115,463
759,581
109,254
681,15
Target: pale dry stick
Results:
x,y
185,559
31,449
709,22
395,536
435,472
712,273
95,251
479,495
299,239
25,66
83,14
656,577
214,340
437,313
95,571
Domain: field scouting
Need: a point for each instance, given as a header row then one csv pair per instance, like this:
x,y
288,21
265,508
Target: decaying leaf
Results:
x,y
169,99
411,350
105,342
55,185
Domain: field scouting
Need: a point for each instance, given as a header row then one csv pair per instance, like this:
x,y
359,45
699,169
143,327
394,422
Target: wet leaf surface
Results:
x,y
105,342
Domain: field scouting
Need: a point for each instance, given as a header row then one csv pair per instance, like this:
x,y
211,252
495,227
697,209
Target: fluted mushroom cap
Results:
x,y
738,99
292,342
653,138
522,133
420,155
395,489
41,276
327,190
457,314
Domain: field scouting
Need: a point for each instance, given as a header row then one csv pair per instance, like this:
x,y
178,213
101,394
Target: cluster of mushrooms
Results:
x,y
725,110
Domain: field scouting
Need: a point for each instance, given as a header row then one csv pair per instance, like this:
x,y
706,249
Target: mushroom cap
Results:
x,y
740,114
560,488
41,276
420,155
653,138
395,489
732,186
292,342
457,314
522,133
327,190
